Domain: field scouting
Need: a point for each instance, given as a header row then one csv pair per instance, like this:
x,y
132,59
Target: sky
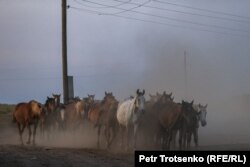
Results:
x,y
119,46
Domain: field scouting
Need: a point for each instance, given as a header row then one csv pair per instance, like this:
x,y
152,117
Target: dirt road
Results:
x,y
28,156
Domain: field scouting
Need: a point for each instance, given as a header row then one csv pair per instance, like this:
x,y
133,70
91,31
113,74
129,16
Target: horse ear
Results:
x,y
47,97
182,101
138,91
143,92
106,93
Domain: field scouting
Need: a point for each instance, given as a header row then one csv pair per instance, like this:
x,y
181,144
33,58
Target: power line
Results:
x,y
131,9
201,9
155,22
190,13
168,18
110,6
115,7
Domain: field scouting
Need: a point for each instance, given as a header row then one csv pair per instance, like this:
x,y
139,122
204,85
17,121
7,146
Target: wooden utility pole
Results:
x,y
64,52
185,75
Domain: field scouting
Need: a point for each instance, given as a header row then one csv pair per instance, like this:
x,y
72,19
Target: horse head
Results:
x,y
57,98
165,98
139,101
91,99
109,100
189,113
50,104
202,112
155,98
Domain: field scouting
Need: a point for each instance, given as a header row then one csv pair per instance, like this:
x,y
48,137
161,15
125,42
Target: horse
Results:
x,y
167,113
47,118
151,131
201,118
26,114
108,118
187,124
129,115
59,112
73,114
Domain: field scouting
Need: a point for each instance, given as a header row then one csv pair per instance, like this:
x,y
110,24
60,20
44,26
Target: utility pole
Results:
x,y
64,52
186,79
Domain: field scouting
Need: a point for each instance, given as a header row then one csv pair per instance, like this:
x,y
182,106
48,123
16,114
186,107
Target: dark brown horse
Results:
x,y
108,117
167,114
150,126
26,114
103,114
187,124
47,120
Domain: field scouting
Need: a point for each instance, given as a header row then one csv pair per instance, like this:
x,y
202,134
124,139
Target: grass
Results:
x,y
6,108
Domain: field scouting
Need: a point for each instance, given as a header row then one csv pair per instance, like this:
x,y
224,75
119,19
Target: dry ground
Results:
x,y
74,149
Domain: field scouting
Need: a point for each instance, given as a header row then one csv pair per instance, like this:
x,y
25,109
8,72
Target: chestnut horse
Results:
x,y
26,114
168,113
108,117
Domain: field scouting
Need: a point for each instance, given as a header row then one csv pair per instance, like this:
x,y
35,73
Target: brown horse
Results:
x,y
47,120
103,114
167,114
59,112
76,111
108,117
26,114
152,131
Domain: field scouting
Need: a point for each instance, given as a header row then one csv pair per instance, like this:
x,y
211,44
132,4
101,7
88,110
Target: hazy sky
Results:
x,y
110,53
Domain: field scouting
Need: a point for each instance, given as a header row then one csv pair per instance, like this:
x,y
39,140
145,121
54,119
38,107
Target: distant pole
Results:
x,y
185,69
64,51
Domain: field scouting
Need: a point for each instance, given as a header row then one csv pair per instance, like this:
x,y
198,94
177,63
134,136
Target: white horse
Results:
x,y
129,113
201,117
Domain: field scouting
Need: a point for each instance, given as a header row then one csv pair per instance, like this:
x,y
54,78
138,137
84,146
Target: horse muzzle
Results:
x,y
203,123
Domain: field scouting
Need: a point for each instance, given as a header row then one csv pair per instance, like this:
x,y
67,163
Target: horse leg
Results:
x,y
29,128
135,134
113,135
34,133
173,138
128,137
196,137
20,132
181,139
122,131
98,136
188,140
106,132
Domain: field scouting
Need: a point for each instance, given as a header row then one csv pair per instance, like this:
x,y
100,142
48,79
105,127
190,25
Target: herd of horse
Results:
x,y
157,121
